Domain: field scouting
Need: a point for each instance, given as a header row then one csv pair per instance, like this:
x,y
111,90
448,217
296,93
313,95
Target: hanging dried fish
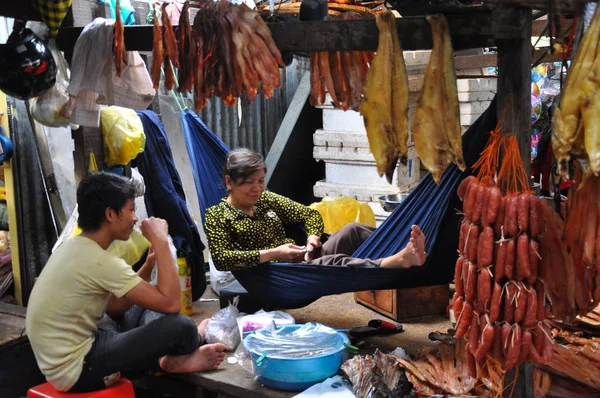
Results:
x,y
436,124
385,103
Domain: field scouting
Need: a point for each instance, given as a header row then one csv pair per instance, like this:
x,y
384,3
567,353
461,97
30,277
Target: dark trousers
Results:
x,y
133,345
338,249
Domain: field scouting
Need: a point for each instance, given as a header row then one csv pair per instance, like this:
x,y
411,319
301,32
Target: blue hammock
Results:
x,y
430,206
207,156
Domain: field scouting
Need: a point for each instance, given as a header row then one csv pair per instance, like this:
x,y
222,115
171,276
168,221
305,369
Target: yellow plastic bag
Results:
x,y
337,212
123,135
130,250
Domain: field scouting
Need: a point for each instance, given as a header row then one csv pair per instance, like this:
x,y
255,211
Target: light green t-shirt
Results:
x,y
67,302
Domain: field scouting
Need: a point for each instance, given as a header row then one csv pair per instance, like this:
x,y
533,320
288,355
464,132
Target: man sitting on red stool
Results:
x,y
77,348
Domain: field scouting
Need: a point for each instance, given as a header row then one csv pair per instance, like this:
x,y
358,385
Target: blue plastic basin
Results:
x,y
296,374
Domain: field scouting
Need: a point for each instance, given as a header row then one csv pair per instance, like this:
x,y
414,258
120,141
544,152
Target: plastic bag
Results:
x,y
218,279
47,108
132,249
123,135
222,328
173,249
338,212
261,319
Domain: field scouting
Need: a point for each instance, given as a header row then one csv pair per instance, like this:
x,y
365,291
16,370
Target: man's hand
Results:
x,y
312,242
154,228
145,272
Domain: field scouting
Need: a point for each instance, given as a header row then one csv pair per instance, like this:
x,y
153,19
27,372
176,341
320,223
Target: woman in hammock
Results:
x,y
247,227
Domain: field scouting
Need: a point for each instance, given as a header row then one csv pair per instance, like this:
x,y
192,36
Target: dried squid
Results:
x,y
436,124
385,103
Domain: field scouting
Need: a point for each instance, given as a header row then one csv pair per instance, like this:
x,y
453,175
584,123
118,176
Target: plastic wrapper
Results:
x,y
261,319
47,108
337,212
309,340
122,134
222,328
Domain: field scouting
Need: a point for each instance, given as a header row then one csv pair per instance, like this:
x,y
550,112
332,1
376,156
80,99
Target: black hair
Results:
x,y
242,163
98,192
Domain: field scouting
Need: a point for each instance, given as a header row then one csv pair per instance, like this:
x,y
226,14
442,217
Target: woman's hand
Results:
x,y
290,253
312,242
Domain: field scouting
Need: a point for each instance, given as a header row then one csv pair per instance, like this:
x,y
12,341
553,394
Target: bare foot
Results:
x,y
412,255
202,328
207,357
417,255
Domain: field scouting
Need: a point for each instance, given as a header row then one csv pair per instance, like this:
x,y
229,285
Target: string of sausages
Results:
x,y
500,301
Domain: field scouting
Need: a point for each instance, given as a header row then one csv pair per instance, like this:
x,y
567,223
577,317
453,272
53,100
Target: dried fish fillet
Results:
x,y
590,114
566,121
385,103
436,124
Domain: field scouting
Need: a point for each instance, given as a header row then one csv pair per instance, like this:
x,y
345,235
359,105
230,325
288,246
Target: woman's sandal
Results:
x,y
376,327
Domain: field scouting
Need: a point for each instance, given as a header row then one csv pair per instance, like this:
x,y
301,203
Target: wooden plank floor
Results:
x,y
12,325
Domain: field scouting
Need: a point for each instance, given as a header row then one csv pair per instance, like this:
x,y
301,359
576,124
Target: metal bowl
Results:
x,y
390,202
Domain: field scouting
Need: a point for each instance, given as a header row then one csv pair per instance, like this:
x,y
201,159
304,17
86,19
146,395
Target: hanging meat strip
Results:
x,y
120,54
170,43
186,56
158,53
317,90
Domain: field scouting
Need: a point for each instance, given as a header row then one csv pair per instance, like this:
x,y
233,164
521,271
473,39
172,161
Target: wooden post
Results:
x,y
514,110
514,86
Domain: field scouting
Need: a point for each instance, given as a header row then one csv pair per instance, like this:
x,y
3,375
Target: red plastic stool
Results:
x,y
120,389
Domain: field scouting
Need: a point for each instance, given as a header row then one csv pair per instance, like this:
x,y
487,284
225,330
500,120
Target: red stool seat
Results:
x,y
120,389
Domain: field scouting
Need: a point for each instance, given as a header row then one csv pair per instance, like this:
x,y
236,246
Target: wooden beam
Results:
x,y
19,10
468,31
514,90
487,60
566,6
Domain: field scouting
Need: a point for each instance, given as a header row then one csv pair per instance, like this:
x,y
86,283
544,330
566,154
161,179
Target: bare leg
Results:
x,y
412,255
207,357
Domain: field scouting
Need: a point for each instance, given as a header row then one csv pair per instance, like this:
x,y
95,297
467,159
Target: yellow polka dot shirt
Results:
x,y
235,238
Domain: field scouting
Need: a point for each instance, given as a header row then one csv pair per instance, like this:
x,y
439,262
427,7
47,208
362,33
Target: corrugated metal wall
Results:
x,y
261,119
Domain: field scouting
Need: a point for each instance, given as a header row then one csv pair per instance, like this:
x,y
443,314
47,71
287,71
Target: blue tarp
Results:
x,y
164,198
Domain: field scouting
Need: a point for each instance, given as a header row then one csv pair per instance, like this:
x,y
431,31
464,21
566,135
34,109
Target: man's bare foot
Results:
x,y
412,255
202,328
207,357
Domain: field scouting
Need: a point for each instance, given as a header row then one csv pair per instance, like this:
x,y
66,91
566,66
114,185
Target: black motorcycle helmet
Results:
x,y
27,67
